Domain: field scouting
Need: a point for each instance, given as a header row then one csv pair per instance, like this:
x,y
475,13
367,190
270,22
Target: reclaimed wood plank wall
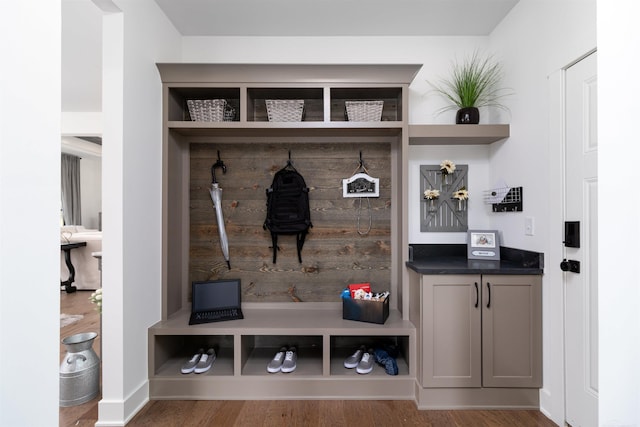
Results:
x,y
334,253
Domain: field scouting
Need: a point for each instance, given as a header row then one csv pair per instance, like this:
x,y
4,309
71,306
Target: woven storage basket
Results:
x,y
364,111
285,110
210,110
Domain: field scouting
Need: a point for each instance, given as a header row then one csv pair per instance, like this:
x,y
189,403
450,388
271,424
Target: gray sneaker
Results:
x,y
290,359
366,363
206,361
353,360
276,363
190,365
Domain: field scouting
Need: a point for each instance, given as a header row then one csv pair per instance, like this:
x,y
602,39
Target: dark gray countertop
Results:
x,y
452,259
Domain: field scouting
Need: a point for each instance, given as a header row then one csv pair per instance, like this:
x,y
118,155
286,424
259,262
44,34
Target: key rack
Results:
x,y
504,199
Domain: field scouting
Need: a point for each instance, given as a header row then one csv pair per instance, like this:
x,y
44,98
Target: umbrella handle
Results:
x,y
218,164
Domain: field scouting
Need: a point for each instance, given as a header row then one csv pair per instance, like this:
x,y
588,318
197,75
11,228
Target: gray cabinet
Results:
x,y
511,331
481,331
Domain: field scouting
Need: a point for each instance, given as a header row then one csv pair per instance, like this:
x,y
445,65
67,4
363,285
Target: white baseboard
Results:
x,y
547,408
117,413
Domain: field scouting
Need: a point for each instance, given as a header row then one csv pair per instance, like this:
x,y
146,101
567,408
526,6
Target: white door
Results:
x,y
581,202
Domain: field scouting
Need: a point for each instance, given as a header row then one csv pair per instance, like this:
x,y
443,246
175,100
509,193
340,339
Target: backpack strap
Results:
x,y
274,242
299,243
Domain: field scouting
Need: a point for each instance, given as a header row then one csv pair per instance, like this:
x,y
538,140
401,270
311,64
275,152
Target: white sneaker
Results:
x,y
290,359
190,365
366,363
206,361
276,363
353,360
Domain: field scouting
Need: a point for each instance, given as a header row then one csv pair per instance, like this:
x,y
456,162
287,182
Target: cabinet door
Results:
x,y
451,331
512,331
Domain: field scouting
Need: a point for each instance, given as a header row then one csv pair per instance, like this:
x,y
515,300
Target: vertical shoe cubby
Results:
x,y
343,346
258,350
170,352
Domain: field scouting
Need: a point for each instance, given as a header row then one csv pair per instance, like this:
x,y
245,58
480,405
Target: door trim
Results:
x,y
552,395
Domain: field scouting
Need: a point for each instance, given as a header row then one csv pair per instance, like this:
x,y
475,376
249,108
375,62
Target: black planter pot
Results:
x,y
468,116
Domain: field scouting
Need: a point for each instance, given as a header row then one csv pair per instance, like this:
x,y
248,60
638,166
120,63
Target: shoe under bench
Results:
x,y
244,347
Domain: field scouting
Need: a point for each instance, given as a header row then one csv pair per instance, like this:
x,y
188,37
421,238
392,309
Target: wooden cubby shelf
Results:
x,y
335,254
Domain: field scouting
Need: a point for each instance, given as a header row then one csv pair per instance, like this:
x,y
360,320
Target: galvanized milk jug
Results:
x,y
80,370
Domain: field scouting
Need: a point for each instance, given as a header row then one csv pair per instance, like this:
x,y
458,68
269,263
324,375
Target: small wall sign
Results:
x,y
361,185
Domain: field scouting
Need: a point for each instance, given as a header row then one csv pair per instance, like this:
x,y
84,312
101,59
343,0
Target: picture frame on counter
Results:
x,y
483,244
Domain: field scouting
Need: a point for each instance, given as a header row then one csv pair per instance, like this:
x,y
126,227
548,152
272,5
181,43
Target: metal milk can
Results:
x,y
80,370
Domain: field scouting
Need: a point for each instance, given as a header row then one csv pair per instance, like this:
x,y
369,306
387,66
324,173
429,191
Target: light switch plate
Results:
x,y
529,226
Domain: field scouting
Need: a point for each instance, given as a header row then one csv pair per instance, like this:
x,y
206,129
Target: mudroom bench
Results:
x,y
245,347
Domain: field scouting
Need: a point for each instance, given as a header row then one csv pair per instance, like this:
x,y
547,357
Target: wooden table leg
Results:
x,y
68,284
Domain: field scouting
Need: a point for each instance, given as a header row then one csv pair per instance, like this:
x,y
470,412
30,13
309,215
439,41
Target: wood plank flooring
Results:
x,y
268,413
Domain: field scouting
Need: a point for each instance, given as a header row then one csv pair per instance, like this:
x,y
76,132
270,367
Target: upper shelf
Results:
x,y
290,74
456,134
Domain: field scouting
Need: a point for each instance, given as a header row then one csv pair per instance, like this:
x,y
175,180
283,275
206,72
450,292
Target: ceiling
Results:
x,y
82,29
335,17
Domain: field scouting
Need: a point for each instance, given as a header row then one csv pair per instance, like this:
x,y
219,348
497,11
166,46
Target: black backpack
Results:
x,y
288,208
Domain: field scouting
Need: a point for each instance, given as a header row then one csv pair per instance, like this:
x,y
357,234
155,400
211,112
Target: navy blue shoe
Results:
x,y
389,363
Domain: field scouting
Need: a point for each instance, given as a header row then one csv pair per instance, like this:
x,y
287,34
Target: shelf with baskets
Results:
x,y
203,104
285,104
366,104
208,107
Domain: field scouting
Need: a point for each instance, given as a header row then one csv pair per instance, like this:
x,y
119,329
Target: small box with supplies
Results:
x,y
359,303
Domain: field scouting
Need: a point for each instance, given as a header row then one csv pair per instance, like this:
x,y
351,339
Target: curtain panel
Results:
x,y
70,179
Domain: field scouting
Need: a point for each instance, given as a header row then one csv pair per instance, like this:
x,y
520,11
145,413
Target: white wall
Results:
x,y
135,38
619,232
29,212
479,214
536,40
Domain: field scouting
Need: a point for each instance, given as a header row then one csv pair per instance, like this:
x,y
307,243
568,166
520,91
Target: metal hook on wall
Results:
x,y
290,162
361,166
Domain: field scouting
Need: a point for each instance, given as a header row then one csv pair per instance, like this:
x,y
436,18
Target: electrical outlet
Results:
x,y
529,226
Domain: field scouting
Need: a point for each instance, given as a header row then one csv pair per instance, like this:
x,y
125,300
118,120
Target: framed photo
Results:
x,y
483,244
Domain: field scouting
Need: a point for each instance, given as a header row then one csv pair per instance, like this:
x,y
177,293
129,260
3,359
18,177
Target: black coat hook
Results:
x,y
290,162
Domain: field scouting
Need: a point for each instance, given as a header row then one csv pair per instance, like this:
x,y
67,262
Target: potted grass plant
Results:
x,y
473,83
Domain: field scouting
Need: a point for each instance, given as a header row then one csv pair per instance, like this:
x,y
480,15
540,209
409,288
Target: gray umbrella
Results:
x,y
216,197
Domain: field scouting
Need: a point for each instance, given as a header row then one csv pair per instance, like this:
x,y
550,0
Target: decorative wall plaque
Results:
x,y
447,214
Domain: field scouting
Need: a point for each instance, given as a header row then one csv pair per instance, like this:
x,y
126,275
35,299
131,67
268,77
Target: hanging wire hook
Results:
x,y
362,168
364,232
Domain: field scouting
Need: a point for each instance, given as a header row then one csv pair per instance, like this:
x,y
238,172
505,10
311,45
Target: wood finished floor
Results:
x,y
267,413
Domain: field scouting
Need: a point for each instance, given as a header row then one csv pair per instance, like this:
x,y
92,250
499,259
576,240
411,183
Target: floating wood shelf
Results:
x,y
456,134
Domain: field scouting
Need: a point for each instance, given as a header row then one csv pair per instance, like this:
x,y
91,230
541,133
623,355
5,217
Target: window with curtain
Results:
x,y
70,180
